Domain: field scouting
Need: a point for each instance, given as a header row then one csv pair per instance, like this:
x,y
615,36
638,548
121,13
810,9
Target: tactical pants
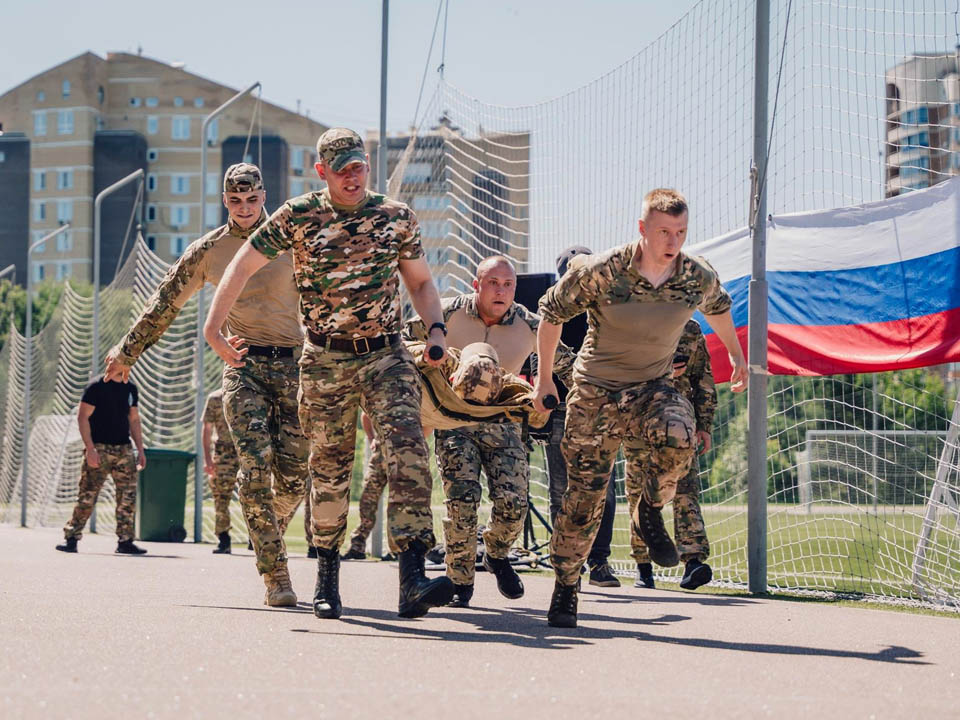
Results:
x,y
260,404
374,481
334,386
119,462
499,451
689,530
222,484
655,425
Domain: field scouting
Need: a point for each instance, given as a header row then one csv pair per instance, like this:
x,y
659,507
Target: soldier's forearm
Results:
x,y
426,301
148,329
548,337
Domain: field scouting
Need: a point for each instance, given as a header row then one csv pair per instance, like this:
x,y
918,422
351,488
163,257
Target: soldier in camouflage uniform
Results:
x,y
488,315
259,394
350,248
221,465
374,483
638,298
693,378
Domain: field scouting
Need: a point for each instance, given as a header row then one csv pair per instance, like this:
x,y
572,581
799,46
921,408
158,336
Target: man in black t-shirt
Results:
x,y
108,418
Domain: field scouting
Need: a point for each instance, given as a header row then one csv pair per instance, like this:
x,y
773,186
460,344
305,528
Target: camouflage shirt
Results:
x,y
632,327
346,261
696,383
264,314
213,415
514,337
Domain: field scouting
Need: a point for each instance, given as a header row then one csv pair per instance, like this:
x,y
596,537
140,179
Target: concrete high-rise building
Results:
x,y
922,122
76,128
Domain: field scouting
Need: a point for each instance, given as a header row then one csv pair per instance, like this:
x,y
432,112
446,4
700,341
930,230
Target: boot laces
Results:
x,y
565,600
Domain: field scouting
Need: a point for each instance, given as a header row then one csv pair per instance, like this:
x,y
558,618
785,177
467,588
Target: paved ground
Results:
x,y
181,633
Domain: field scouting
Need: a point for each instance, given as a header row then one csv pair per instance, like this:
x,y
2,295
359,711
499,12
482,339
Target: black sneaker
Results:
x,y
508,582
644,576
563,606
602,576
354,554
312,552
69,545
647,521
695,574
461,596
126,547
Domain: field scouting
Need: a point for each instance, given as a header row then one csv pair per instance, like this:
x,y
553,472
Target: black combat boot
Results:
x,y
354,553
417,594
461,595
695,574
508,582
126,547
69,545
563,606
224,547
326,594
312,552
648,524
644,576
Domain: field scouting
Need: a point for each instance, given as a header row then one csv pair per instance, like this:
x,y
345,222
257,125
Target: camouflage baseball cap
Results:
x,y
339,147
242,177
479,378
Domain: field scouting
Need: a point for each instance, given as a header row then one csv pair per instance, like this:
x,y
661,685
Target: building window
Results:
x,y
152,242
65,122
431,202
135,102
296,188
179,184
180,215
178,101
178,244
36,236
41,96
100,96
433,228
151,213
63,271
213,132
180,127
37,272
64,210
916,116
213,183
39,180
213,216
152,124
151,155
151,102
198,102
64,242
39,123
40,211
151,182
296,159
418,172
64,179
66,88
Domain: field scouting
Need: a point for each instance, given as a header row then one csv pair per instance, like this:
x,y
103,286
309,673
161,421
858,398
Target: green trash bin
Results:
x,y
162,494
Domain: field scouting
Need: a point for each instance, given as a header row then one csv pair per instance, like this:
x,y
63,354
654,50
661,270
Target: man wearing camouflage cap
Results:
x,y
637,297
260,393
350,249
487,315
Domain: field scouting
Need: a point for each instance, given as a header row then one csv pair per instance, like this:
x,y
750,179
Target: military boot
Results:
x,y
279,588
508,582
312,552
417,593
126,547
69,545
695,574
326,593
648,523
356,552
644,576
461,595
224,547
563,606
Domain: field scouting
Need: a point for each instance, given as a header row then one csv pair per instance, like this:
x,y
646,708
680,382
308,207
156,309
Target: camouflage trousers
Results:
x,y
654,424
119,462
499,451
334,386
260,405
688,528
374,482
222,484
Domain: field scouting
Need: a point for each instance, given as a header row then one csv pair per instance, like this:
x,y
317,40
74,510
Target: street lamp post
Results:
x,y
28,371
8,270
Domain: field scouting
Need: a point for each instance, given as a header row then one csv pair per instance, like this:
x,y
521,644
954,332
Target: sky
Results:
x,y
327,54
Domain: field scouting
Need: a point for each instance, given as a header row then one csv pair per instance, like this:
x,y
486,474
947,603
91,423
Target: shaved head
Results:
x,y
495,261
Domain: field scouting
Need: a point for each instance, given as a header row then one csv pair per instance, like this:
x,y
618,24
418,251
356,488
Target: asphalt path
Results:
x,y
181,633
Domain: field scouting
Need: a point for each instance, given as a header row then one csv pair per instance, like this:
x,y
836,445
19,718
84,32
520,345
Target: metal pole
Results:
x,y
757,349
8,270
873,454
376,535
28,371
97,227
201,343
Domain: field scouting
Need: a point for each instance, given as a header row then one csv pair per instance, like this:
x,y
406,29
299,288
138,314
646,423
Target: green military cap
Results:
x,y
339,147
479,378
242,177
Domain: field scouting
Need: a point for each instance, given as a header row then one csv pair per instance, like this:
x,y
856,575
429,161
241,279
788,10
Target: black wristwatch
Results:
x,y
442,326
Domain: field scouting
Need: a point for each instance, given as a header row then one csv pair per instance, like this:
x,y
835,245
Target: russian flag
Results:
x,y
859,289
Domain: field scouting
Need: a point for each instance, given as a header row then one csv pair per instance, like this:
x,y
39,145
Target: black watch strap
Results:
x,y
442,326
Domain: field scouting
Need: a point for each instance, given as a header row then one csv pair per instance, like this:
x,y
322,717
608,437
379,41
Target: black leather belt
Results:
x,y
357,346
271,351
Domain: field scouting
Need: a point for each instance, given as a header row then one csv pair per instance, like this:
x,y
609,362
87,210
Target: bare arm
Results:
x,y
426,301
548,337
136,432
83,422
722,325
244,264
